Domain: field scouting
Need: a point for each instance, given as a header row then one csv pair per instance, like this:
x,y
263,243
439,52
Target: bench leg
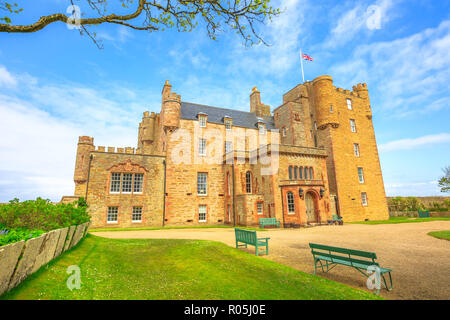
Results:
x,y
256,249
385,283
267,248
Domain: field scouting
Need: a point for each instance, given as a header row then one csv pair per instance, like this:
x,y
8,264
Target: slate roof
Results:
x,y
189,111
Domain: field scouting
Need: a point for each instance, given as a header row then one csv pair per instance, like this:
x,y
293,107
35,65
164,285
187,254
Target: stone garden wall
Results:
x,y
415,214
20,259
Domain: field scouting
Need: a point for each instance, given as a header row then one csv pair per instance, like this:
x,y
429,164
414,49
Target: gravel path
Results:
x,y
420,263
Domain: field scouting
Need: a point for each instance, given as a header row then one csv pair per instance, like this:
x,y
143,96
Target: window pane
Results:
x,y
202,183
352,125
259,208
248,180
126,182
228,146
290,172
295,173
112,214
290,202
311,176
202,213
349,104
306,173
138,182
361,175
115,182
137,214
202,147
356,148
364,198
300,172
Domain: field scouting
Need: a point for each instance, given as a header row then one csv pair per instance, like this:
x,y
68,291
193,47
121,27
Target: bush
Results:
x,y
19,220
405,204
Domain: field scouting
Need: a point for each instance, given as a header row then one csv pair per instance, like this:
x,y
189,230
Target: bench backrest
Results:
x,y
246,236
424,214
350,255
267,220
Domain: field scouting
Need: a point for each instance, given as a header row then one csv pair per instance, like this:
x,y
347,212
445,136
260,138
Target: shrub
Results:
x,y
18,220
405,204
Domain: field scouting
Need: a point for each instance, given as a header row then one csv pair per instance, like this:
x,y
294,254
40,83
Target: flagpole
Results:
x,y
301,61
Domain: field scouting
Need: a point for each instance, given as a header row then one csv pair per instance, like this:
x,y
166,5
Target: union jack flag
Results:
x,y
306,57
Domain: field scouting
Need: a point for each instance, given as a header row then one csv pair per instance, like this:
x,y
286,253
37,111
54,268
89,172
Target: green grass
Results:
x,y
166,228
175,269
394,220
441,234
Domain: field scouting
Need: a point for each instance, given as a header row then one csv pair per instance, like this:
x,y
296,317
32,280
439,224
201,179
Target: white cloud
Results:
x,y
407,144
6,78
413,189
41,123
409,74
360,19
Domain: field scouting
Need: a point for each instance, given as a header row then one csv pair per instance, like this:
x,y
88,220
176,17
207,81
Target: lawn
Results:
x,y
165,228
441,234
175,269
394,220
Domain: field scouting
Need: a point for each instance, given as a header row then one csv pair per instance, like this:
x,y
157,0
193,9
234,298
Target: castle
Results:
x,y
312,157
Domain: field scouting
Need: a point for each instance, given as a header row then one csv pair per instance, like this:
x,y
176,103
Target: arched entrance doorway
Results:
x,y
310,208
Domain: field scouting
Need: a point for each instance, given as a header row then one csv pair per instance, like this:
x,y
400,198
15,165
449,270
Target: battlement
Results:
x,y
127,150
85,140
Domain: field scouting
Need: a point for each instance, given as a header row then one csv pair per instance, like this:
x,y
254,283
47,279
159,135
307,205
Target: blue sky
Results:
x,y
55,85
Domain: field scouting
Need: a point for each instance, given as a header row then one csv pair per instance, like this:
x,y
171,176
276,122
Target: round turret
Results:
x,y
324,102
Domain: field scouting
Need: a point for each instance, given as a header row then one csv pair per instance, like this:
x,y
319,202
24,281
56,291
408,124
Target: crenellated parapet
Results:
x,y
170,108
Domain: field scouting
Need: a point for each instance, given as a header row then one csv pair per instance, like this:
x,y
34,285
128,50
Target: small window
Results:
x,y
202,121
306,173
127,180
202,183
138,182
331,108
228,146
228,183
115,182
311,174
260,207
300,173
284,131
248,182
112,216
228,123
202,147
315,125
353,125
262,129
295,173
290,203
290,173
136,216
356,149
349,104
360,175
364,199
202,213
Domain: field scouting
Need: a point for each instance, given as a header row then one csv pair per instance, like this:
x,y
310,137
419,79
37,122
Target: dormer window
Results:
x,y
261,126
228,122
202,119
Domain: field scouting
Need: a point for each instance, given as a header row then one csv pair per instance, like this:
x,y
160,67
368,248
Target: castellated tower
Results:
x,y
85,146
344,127
146,135
170,108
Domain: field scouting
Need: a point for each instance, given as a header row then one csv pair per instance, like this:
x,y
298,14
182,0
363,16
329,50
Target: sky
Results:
x,y
56,85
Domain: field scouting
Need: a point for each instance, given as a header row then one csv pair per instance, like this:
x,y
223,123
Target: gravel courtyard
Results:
x,y
420,263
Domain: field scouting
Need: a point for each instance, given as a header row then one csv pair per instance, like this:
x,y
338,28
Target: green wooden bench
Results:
x,y
269,222
248,237
335,219
360,260
424,214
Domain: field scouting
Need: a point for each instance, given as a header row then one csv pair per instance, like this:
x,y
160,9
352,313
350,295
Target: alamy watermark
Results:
x,y
74,280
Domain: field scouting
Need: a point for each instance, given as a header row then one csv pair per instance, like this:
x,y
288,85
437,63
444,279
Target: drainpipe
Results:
x,y
89,174
282,205
164,194
234,194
